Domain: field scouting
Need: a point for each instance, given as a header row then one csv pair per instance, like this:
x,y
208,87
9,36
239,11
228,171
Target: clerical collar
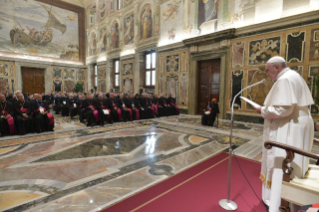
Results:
x,y
282,73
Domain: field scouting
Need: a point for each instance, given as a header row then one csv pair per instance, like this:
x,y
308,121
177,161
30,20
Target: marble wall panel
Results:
x,y
313,73
8,76
236,86
295,47
172,86
161,84
4,85
258,93
127,76
172,63
238,54
101,75
314,45
69,74
261,50
184,89
65,78
128,85
68,86
173,75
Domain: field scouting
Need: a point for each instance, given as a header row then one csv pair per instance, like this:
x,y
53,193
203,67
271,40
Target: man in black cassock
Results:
x,y
129,106
121,104
148,113
42,118
137,104
89,110
22,116
72,105
208,118
162,106
114,108
57,104
7,113
172,103
81,108
64,105
98,104
109,105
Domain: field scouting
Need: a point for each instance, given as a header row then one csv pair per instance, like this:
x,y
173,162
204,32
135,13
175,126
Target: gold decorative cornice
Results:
x,y
213,37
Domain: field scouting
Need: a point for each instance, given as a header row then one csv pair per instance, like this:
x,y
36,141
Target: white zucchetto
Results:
x,y
276,59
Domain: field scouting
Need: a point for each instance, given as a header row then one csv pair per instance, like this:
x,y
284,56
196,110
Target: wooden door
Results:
x,y
208,83
33,80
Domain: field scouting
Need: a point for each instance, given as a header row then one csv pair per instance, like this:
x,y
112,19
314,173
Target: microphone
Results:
x,y
257,83
228,204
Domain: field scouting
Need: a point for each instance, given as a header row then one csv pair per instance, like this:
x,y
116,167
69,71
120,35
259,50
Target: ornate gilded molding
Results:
x,y
213,37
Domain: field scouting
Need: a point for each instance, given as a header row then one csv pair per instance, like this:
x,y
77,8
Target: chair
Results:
x,y
307,189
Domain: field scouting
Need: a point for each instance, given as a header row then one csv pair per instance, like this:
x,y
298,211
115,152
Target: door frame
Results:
x,y
47,74
223,54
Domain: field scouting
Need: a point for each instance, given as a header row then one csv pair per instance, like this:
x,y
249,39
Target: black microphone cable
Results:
x,y
249,182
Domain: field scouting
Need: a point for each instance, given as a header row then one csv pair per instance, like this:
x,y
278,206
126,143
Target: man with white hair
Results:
x,y
288,121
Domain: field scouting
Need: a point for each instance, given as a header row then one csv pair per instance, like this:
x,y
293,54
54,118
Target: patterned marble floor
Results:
x,y
77,168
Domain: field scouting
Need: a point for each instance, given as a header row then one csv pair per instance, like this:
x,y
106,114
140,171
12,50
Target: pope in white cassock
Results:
x,y
288,121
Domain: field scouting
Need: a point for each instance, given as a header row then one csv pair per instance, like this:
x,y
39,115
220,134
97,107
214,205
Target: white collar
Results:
x,y
282,73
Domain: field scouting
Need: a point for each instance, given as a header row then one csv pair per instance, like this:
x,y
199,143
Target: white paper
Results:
x,y
74,105
142,108
207,112
41,110
106,112
123,105
64,102
254,104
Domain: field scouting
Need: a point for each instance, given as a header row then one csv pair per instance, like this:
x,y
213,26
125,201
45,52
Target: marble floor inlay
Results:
x,y
85,169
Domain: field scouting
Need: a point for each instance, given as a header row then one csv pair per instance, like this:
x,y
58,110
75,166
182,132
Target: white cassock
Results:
x,y
288,121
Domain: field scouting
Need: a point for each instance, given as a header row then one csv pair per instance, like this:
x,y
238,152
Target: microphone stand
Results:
x,y
227,204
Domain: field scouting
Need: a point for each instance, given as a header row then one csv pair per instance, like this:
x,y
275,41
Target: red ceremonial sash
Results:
x,y
156,108
103,107
96,114
137,114
119,112
49,115
51,118
153,111
130,111
23,110
177,109
11,125
10,121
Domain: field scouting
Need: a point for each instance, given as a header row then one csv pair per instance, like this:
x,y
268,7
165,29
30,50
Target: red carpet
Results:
x,y
199,189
